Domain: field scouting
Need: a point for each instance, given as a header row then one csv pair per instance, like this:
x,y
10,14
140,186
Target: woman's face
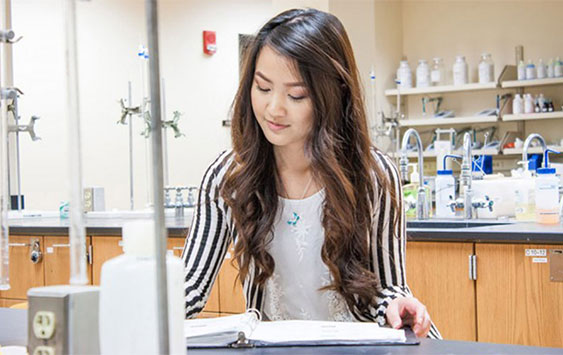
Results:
x,y
280,100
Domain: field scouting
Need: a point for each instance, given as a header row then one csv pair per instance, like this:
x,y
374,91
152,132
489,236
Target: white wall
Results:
x,y
109,33
448,28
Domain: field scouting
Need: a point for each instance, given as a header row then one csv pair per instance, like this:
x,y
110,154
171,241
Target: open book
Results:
x,y
247,330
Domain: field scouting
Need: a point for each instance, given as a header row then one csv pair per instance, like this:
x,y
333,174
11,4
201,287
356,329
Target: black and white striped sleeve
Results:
x,y
388,245
208,238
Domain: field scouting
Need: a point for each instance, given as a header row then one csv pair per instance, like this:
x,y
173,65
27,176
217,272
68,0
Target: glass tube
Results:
x,y
76,229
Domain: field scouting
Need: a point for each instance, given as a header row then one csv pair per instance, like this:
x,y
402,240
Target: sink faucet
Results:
x,y
421,203
527,143
469,203
179,203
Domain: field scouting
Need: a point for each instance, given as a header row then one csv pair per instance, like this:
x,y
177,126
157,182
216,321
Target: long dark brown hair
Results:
x,y
338,147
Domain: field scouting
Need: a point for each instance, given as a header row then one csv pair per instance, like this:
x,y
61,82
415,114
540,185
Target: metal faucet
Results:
x,y
421,203
469,203
179,203
527,143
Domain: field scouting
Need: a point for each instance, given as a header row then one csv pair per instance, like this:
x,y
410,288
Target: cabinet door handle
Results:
x,y
60,245
177,248
473,267
19,244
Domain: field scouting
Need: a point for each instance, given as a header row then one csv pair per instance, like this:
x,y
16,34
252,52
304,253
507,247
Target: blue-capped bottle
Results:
x,y
547,193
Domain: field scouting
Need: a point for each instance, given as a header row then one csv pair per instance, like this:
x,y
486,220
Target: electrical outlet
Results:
x,y
44,325
44,350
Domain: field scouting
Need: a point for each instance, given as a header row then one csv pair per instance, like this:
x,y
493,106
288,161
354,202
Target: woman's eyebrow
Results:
x,y
258,73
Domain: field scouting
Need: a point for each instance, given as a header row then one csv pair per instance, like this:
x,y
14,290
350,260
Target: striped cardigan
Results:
x,y
212,231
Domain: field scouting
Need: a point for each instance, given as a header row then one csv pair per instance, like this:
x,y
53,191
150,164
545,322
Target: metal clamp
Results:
x,y
7,36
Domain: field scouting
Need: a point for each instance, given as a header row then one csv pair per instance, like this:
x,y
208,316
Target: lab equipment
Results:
x,y
518,105
179,203
528,103
404,75
530,70
550,68
460,71
547,193
486,69
541,70
521,70
128,306
445,190
76,228
421,202
438,73
558,68
422,74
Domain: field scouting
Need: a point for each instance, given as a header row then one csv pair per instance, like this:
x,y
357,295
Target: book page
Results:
x,y
316,331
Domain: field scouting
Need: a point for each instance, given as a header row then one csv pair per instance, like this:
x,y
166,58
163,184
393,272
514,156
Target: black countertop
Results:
x,y
13,331
484,231
177,226
430,230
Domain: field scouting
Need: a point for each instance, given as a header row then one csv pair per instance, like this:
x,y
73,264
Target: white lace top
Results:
x,y
293,290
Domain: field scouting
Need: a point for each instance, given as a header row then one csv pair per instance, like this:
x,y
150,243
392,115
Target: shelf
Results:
x,y
442,89
423,121
531,150
533,116
527,83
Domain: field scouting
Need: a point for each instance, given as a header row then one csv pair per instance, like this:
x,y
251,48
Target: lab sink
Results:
x,y
451,224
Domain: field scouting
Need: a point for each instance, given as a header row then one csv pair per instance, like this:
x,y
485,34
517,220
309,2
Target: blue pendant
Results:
x,y
293,221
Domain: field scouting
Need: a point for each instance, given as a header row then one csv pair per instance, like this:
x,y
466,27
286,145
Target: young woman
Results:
x,y
314,210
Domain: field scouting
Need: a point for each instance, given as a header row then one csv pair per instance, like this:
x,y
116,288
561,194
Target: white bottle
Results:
x,y
486,69
540,103
404,75
521,70
541,70
557,68
550,68
517,105
530,70
128,306
528,103
445,192
438,73
422,74
460,70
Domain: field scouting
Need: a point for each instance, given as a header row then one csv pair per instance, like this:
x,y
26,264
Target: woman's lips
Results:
x,y
275,126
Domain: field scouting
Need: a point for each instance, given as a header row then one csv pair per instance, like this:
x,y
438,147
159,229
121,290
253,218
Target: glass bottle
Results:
x,y
438,73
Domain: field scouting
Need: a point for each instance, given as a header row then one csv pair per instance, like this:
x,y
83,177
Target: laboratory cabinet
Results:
x,y
488,292
50,265
437,274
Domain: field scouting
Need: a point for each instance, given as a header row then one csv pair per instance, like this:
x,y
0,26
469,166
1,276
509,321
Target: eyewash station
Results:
x,y
476,138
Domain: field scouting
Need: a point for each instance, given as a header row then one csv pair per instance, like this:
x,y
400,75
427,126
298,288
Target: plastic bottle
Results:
x,y
404,75
486,69
528,103
541,102
445,190
541,70
550,68
524,195
422,74
128,306
557,68
521,70
460,70
547,193
517,105
438,73
530,70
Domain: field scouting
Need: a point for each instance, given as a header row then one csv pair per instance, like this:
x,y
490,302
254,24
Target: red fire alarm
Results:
x,y
209,46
